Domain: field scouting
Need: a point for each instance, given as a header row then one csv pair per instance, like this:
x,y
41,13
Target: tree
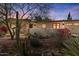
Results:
x,y
29,11
69,17
4,15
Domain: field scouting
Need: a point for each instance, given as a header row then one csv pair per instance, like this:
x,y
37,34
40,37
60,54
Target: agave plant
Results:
x,y
71,47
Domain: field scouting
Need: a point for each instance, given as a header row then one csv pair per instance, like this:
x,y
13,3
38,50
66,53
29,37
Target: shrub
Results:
x,y
35,43
35,40
31,45
64,33
3,30
60,36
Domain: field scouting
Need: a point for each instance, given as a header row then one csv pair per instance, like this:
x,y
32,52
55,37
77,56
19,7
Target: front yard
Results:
x,y
38,44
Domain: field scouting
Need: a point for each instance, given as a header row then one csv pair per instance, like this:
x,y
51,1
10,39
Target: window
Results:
x,y
43,25
76,23
69,24
54,26
58,26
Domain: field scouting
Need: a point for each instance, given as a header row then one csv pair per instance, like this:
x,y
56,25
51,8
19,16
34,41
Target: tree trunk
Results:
x,y
6,20
12,36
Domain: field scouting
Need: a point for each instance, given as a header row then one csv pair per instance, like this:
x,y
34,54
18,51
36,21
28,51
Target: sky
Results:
x,y
59,11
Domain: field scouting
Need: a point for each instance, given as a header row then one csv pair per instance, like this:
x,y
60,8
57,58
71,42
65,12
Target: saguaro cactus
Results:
x,y
17,31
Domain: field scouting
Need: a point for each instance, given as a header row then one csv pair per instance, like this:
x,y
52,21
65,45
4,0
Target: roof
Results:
x,y
51,20
64,20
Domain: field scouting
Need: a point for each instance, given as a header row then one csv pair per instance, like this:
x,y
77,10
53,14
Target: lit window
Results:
x,y
76,23
54,26
69,24
43,25
57,26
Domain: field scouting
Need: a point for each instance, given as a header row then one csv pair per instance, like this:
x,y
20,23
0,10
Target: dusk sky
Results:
x,y
59,11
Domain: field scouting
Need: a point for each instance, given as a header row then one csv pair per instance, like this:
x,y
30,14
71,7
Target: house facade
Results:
x,y
72,25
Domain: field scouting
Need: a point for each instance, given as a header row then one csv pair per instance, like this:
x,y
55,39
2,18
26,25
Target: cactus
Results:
x,y
17,31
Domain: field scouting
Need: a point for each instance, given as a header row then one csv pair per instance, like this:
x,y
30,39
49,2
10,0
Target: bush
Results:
x,y
64,33
31,45
35,41
60,36
3,30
